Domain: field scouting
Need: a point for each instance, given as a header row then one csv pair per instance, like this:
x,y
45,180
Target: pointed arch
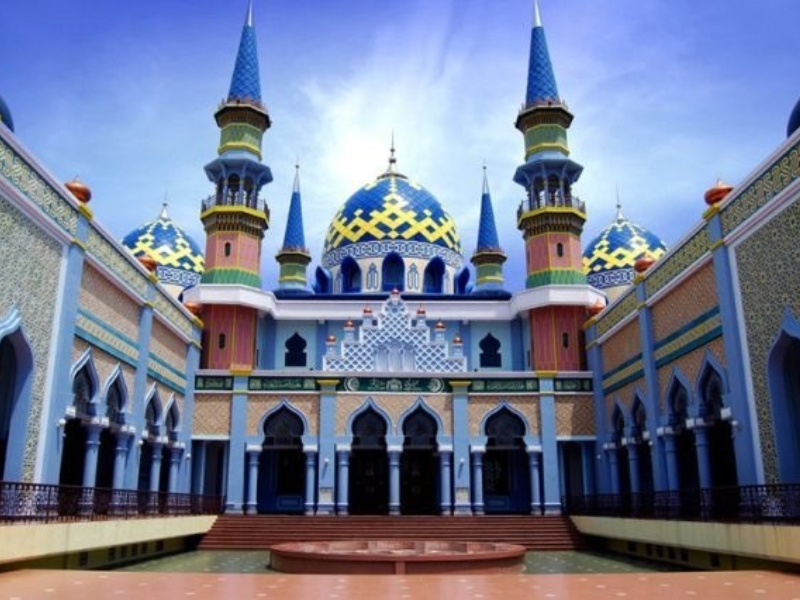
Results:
x,y
322,281
679,398
433,279
490,357
283,405
393,272
16,377
153,411
784,387
638,416
85,384
618,422
351,276
115,396
504,405
420,404
712,386
368,404
295,355
462,281
172,418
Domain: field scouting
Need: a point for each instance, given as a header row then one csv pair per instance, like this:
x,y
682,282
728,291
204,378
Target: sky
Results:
x,y
668,96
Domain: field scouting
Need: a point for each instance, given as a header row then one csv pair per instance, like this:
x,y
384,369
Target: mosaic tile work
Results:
x,y
171,313
775,179
526,405
677,262
19,173
105,364
110,256
695,296
105,301
212,414
100,334
392,404
622,346
36,301
624,306
688,364
259,404
166,346
624,395
574,415
767,265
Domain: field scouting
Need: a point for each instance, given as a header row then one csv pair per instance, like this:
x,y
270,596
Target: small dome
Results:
x,y
794,120
178,258
79,189
609,259
5,115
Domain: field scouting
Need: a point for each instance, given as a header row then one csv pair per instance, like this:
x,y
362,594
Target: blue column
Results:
x,y
90,457
547,427
236,450
185,477
588,456
461,449
595,360
343,475
477,480
122,439
536,498
311,467
199,467
326,470
633,467
446,483
253,455
703,458
670,453
175,455
613,470
394,481
155,466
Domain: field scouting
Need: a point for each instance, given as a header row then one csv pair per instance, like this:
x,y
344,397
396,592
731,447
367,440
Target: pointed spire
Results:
x,y
620,216
246,81
541,80
163,215
296,185
392,159
294,239
487,230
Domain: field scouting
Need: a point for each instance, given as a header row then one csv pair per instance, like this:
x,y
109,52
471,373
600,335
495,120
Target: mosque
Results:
x,y
398,377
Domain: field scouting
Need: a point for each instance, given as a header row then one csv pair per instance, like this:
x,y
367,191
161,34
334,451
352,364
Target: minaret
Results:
x,y
489,256
293,256
550,217
234,218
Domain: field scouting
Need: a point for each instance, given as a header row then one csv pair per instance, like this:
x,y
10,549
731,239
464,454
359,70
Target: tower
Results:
x,y
293,257
233,217
489,257
550,217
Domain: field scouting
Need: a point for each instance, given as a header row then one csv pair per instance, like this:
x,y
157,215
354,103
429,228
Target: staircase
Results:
x,y
240,532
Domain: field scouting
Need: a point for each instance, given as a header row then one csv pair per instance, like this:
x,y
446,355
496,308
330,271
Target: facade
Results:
x,y
397,379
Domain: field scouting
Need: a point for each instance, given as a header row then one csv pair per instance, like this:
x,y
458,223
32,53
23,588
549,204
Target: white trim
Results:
x,y
33,212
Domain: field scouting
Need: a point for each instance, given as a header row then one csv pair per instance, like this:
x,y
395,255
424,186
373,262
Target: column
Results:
x,y
547,411
343,457
461,450
633,467
703,458
253,456
536,498
394,480
445,460
613,470
670,452
588,458
237,446
477,480
90,456
175,454
311,467
199,467
155,466
326,455
122,439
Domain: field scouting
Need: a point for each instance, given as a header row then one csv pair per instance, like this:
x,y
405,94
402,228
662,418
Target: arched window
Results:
x,y
152,415
678,405
322,279
115,402
172,421
284,429
227,248
419,430
372,277
351,276
434,276
711,393
560,250
462,281
369,430
412,280
393,275
295,351
490,352
83,391
221,341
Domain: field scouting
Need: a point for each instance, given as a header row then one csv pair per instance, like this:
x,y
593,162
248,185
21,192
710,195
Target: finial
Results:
x,y
620,216
392,159
537,16
296,187
248,22
485,180
163,214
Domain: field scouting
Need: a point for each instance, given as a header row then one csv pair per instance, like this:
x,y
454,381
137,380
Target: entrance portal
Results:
x,y
369,466
506,476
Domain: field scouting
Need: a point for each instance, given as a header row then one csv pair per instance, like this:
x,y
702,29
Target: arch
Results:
x,y
152,412
678,398
115,396
283,405
295,355
412,279
504,405
393,272
506,471
420,404
368,404
639,433
281,468
172,419
638,417
16,376
617,423
490,357
712,386
368,482
462,281
351,275
85,384
784,387
678,403
617,428
433,279
322,281
372,277
419,463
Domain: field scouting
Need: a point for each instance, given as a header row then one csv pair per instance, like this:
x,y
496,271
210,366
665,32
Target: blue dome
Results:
x,y
609,258
5,115
179,260
392,208
794,120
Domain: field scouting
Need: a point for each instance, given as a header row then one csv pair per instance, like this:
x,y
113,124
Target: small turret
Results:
x,y
489,256
293,256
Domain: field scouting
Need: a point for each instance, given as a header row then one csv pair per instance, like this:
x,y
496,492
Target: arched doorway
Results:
x,y
369,466
623,465
152,419
506,474
685,452
393,276
281,467
433,279
73,450
419,468
721,450
784,384
115,408
642,446
16,366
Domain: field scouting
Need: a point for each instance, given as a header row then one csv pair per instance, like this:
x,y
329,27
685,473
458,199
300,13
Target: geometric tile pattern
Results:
x,y
212,414
102,299
541,81
624,306
689,365
260,404
623,345
166,346
695,296
245,83
574,415
681,258
480,405
396,343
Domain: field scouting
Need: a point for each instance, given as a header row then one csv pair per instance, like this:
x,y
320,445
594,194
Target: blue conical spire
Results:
x,y
294,239
541,80
246,82
487,230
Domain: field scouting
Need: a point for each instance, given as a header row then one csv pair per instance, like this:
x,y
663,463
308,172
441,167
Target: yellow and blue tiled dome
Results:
x,y
609,258
393,211
179,260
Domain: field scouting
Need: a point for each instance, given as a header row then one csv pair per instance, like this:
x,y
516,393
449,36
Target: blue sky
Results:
x,y
667,96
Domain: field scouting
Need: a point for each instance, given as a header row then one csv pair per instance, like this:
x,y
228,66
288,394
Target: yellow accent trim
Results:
x,y
149,304
239,146
638,278
711,211
550,374
551,209
78,243
328,381
242,392
198,322
641,305
539,147
717,244
197,344
85,210
298,279
588,323
235,209
153,277
231,269
553,270
464,384
236,372
591,344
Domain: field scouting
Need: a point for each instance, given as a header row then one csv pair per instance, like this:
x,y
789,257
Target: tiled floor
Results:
x,y
97,585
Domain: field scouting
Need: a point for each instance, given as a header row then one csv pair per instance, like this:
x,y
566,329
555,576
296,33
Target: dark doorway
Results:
x,y
623,466
295,355
490,352
393,272
369,466
8,393
506,472
643,447
433,279
281,468
419,466
105,459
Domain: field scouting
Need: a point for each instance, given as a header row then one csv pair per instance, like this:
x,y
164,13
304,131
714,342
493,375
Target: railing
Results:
x,y
778,503
553,200
42,503
241,198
